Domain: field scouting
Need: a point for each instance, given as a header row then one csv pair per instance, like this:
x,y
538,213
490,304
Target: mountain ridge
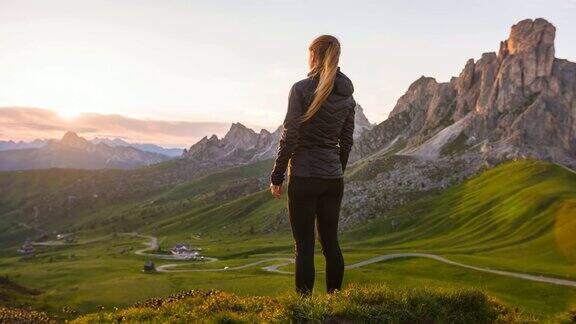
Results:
x,y
519,103
243,145
501,97
147,147
10,145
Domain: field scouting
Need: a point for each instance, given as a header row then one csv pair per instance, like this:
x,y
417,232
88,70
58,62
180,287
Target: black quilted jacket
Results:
x,y
318,147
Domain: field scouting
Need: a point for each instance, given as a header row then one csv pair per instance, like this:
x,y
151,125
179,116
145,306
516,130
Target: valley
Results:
x,y
151,244
100,270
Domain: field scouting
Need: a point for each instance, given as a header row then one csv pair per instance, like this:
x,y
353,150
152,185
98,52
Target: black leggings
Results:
x,y
310,201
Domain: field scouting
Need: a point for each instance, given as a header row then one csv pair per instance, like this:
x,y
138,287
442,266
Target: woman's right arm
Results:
x,y
289,138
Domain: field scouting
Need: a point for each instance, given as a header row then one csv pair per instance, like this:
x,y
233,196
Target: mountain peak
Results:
x,y
73,140
241,136
529,35
70,135
238,127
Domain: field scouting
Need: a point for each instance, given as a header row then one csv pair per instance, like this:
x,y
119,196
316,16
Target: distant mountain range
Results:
x,y
75,152
20,145
240,145
146,147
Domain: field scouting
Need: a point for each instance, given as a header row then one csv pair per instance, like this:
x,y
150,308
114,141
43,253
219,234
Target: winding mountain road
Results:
x,y
555,281
152,244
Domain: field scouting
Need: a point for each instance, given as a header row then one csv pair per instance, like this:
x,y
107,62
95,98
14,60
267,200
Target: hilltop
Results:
x,y
371,304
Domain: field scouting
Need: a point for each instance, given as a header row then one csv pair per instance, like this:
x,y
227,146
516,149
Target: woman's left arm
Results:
x,y
347,137
289,139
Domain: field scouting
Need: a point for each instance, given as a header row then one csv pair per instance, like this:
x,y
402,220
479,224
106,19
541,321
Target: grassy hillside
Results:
x,y
19,186
19,304
520,215
371,304
216,180
34,203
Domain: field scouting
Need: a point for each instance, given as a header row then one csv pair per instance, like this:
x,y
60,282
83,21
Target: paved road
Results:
x,y
170,267
152,244
555,281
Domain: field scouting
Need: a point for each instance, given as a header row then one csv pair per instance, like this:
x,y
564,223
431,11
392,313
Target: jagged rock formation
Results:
x,y
519,103
243,145
514,104
240,145
73,151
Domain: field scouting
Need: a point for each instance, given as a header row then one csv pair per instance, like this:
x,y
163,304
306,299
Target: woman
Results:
x,y
315,144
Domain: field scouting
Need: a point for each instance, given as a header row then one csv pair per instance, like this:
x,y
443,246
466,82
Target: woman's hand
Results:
x,y
276,191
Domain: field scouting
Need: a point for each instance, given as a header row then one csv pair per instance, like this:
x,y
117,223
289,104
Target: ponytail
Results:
x,y
324,57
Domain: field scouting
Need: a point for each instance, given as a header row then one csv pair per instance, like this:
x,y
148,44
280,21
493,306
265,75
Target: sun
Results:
x,y
68,113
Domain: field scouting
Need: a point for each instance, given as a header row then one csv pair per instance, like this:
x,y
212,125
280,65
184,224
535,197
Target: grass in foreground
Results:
x,y
366,304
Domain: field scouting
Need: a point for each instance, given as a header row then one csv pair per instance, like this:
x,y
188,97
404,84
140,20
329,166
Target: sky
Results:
x,y
217,62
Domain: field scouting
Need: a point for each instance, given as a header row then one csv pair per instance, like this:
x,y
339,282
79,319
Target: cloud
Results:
x,y
18,123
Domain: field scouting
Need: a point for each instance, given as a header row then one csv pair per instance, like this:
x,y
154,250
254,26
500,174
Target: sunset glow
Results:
x,y
67,113
229,61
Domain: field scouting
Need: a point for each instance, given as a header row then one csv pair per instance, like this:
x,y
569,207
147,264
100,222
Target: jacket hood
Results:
x,y
342,85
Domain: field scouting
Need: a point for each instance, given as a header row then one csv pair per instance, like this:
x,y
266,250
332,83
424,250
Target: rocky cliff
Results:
x,y
240,145
517,103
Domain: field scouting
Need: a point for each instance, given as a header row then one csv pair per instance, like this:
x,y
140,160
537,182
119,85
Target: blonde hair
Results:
x,y
323,61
